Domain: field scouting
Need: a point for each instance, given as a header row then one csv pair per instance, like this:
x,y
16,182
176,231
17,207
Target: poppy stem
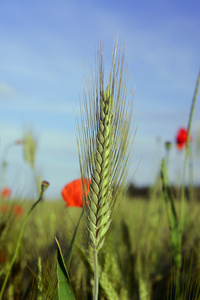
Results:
x,y
96,275
186,156
181,223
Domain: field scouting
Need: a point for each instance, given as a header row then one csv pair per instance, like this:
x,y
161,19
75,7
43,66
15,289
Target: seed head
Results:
x,y
105,144
45,184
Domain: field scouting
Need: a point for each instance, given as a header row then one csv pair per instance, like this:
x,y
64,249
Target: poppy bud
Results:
x,y
44,185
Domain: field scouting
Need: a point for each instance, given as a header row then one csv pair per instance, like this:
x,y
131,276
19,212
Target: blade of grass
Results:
x,y
64,287
70,250
44,186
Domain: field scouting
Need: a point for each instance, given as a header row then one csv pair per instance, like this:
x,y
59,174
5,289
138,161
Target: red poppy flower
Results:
x,y
72,193
5,193
18,210
181,138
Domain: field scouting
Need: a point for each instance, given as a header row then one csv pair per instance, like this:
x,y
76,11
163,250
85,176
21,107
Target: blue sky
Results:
x,y
44,46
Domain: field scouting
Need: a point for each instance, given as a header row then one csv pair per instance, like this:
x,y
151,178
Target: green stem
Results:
x,y
96,275
191,177
181,224
39,285
172,219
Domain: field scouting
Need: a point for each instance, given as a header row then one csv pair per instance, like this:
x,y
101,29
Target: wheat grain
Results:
x,y
105,143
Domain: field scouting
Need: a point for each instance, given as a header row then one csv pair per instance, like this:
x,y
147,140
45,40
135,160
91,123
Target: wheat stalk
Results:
x,y
105,142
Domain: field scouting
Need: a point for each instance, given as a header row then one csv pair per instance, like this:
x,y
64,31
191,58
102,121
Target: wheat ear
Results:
x,y
105,142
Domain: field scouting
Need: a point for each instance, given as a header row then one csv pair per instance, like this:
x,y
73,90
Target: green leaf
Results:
x,y
65,290
70,250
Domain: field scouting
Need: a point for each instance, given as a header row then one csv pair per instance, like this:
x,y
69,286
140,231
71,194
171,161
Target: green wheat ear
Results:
x,y
105,142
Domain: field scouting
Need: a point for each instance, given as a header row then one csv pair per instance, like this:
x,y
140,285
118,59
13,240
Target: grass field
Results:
x,y
136,262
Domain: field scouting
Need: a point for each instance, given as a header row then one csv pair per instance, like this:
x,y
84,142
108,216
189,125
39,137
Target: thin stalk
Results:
x,y
191,177
173,222
96,275
39,285
181,224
